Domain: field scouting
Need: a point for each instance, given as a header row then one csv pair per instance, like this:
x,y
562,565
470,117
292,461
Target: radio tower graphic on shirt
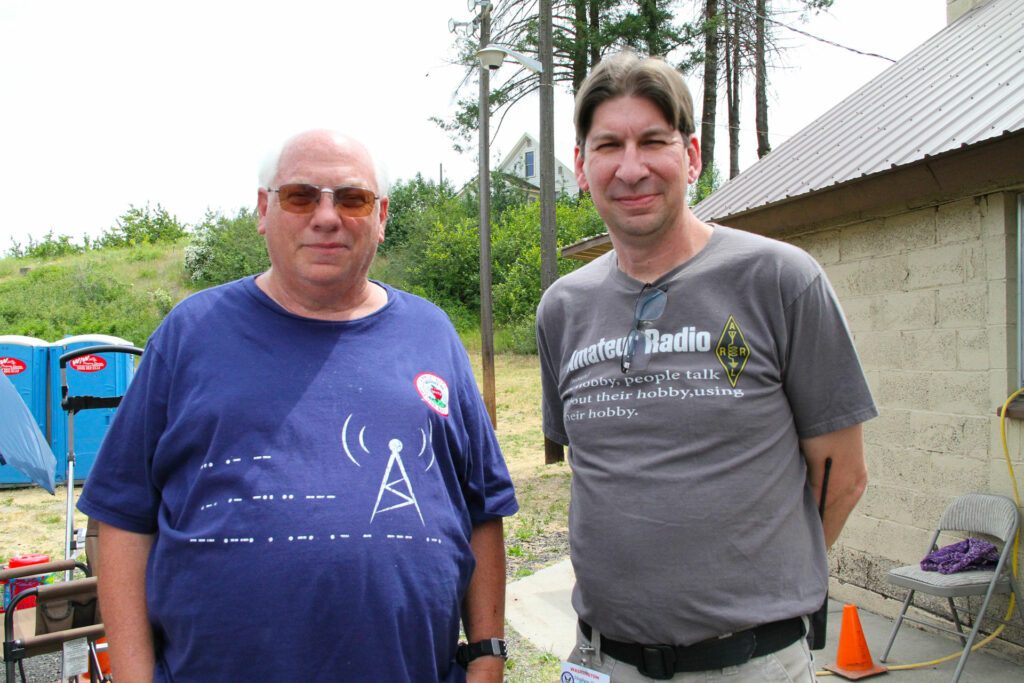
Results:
x,y
395,487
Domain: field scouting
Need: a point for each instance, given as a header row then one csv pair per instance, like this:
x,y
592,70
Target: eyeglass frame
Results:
x,y
639,318
326,189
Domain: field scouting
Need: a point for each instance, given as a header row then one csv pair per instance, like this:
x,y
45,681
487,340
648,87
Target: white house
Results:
x,y
524,162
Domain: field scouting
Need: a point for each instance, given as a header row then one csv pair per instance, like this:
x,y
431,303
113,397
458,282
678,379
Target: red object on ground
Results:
x,y
28,582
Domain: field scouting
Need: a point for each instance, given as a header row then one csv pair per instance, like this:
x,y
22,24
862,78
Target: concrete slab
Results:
x,y
538,608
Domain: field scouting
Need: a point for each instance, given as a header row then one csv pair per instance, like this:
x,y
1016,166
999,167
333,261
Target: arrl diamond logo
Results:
x,y
732,350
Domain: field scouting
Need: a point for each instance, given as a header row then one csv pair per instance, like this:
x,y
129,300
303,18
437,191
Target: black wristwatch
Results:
x,y
482,648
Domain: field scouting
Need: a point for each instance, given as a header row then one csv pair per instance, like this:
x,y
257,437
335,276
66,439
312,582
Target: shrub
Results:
x,y
226,249
143,226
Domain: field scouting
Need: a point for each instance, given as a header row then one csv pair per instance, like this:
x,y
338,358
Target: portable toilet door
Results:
x,y
24,361
104,374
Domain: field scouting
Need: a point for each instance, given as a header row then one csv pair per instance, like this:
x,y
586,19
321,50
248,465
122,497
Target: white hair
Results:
x,y
268,169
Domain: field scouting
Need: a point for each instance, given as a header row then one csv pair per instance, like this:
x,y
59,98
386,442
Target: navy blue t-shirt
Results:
x,y
312,486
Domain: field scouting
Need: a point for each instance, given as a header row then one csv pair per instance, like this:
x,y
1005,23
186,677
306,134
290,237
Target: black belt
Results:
x,y
661,662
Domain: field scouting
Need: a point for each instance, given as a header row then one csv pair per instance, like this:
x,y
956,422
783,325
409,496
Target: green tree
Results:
x,y
413,208
51,246
143,226
709,181
583,31
226,248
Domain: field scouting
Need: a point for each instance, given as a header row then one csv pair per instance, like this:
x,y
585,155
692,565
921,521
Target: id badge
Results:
x,y
576,673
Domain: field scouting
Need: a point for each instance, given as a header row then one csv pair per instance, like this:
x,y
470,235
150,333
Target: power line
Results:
x,y
805,33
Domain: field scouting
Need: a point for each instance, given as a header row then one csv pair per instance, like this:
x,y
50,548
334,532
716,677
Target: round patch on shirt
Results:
x,y
434,391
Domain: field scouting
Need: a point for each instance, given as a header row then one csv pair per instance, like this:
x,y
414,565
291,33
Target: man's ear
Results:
x,y
577,162
383,217
262,202
693,163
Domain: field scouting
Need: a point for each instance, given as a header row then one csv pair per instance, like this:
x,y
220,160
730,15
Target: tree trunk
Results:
x,y
594,35
707,124
732,76
579,52
761,82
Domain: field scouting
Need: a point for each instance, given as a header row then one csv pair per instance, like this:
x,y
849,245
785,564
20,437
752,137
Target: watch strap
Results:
x,y
466,653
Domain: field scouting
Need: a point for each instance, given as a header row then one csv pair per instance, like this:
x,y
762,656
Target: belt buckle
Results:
x,y
657,662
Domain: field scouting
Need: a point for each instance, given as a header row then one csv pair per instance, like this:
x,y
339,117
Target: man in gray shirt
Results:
x,y
701,376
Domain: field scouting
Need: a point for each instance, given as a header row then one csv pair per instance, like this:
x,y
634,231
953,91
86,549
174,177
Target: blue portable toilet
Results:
x,y
104,374
24,361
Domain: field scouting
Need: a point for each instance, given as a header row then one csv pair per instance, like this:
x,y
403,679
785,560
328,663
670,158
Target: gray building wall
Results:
x,y
930,295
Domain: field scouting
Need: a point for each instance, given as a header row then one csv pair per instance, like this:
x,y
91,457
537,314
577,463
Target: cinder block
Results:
x,y
1002,349
928,349
1001,302
977,262
958,222
881,350
963,306
891,236
1001,257
822,245
937,267
900,389
885,274
904,310
859,312
972,350
958,392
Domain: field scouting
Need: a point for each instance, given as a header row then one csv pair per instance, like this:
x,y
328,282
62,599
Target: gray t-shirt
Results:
x,y
690,514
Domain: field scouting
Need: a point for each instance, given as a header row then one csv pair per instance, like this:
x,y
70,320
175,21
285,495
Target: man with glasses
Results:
x,y
702,378
302,482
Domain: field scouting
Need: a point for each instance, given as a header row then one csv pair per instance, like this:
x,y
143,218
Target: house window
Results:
x,y
529,165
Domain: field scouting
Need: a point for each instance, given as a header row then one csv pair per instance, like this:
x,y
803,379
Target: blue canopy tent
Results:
x,y
22,445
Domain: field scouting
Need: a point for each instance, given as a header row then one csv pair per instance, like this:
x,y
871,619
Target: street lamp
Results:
x,y
492,56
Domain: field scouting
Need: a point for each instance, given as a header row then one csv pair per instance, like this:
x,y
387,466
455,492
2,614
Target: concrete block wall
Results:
x,y
930,297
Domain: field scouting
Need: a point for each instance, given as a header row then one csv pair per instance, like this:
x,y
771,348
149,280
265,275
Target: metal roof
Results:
x,y
963,86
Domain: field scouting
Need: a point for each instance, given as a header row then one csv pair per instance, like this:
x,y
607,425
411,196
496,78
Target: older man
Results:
x,y
302,482
702,377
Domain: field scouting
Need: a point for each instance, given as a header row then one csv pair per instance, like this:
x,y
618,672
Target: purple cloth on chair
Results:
x,y
971,553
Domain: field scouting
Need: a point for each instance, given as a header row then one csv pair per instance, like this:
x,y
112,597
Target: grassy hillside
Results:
x,y
124,292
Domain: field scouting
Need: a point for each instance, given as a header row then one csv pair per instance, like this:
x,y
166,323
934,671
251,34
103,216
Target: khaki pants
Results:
x,y
792,664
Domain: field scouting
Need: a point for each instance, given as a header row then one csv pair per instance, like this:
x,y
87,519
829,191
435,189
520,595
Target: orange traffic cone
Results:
x,y
853,661
101,654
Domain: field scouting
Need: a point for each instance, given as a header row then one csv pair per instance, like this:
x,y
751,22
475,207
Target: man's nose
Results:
x,y
326,215
632,166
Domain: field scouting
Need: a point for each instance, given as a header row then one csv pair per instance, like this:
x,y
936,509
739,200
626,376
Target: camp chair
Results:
x,y
65,612
973,513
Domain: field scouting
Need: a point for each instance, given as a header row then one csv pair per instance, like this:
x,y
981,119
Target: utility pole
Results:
x,y
548,229
484,187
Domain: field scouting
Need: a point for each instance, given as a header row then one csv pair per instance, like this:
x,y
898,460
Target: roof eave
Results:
x,y
985,166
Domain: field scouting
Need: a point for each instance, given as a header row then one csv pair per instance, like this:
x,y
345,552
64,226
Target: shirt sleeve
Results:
x,y
823,378
553,423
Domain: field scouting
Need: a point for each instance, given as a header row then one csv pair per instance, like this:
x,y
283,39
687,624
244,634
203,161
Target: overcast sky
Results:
x,y
117,102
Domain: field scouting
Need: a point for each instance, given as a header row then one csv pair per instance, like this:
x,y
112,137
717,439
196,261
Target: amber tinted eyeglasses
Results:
x,y
351,202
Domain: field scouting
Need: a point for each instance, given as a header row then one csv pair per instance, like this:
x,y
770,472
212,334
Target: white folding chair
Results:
x,y
972,513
